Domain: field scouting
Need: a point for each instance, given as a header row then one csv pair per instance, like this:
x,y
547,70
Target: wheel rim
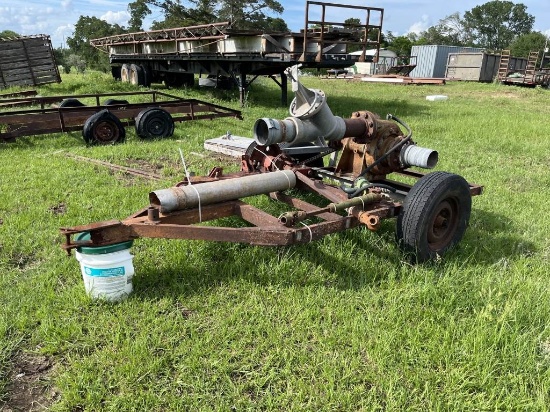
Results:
x,y
106,132
157,127
443,225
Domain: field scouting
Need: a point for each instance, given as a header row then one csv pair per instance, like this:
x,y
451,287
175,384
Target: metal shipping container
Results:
x,y
431,60
479,67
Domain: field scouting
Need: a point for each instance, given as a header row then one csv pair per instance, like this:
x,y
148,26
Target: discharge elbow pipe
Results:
x,y
311,118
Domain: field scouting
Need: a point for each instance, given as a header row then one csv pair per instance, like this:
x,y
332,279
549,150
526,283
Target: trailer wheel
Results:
x,y
147,76
71,102
111,102
125,73
136,75
434,216
103,128
154,123
177,80
115,71
173,80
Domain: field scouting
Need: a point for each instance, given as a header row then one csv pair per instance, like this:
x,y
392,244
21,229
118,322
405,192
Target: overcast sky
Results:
x,y
56,18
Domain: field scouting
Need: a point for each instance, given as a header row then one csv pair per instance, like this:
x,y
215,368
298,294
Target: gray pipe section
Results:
x,y
311,119
412,155
191,196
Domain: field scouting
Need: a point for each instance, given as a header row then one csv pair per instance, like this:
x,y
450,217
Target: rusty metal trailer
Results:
x,y
285,161
27,61
218,50
103,121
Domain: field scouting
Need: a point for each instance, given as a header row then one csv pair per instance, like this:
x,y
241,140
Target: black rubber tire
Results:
x,y
125,73
116,71
434,216
70,102
103,128
147,75
174,80
188,79
136,75
110,102
154,123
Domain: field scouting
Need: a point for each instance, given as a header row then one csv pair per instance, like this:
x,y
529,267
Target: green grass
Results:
x,y
345,323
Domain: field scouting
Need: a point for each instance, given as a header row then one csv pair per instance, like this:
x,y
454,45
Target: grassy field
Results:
x,y
342,324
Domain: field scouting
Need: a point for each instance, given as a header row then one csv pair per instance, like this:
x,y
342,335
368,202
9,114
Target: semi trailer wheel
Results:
x,y
434,216
137,77
154,123
125,73
103,128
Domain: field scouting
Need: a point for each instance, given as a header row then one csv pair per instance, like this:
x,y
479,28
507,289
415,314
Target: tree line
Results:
x,y
494,26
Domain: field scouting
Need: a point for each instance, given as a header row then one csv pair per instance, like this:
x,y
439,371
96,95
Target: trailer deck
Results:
x,y
174,56
113,111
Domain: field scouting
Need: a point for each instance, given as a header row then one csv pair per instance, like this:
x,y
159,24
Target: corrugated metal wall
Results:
x,y
431,60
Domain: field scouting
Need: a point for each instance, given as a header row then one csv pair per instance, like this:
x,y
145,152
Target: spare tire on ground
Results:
x,y
103,128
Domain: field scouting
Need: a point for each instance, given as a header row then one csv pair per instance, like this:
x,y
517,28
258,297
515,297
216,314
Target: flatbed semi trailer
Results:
x,y
175,56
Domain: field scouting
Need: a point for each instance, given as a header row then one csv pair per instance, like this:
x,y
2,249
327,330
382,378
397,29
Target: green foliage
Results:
x,y
138,11
448,31
251,14
401,45
8,34
522,45
495,24
76,61
86,29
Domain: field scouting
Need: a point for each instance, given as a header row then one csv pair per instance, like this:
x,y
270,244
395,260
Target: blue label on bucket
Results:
x,y
105,272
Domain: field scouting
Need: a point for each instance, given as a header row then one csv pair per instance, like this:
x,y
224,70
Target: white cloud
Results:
x,y
62,32
67,5
118,17
421,25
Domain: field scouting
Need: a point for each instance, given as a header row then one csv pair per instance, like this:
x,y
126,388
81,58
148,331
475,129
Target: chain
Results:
x,y
318,156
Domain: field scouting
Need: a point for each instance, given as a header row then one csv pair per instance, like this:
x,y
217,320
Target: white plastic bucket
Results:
x,y
107,271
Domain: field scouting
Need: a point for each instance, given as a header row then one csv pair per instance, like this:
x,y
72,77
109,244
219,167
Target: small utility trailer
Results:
x,y
103,121
285,161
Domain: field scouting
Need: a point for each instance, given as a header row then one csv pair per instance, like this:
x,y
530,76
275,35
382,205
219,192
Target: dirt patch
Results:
x,y
145,166
20,261
58,209
29,388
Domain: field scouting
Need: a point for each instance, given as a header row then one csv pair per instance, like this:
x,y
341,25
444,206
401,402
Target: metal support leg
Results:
x,y
284,91
242,88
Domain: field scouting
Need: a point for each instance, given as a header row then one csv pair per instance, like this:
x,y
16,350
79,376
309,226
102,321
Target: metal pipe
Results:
x,y
412,155
311,118
190,196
